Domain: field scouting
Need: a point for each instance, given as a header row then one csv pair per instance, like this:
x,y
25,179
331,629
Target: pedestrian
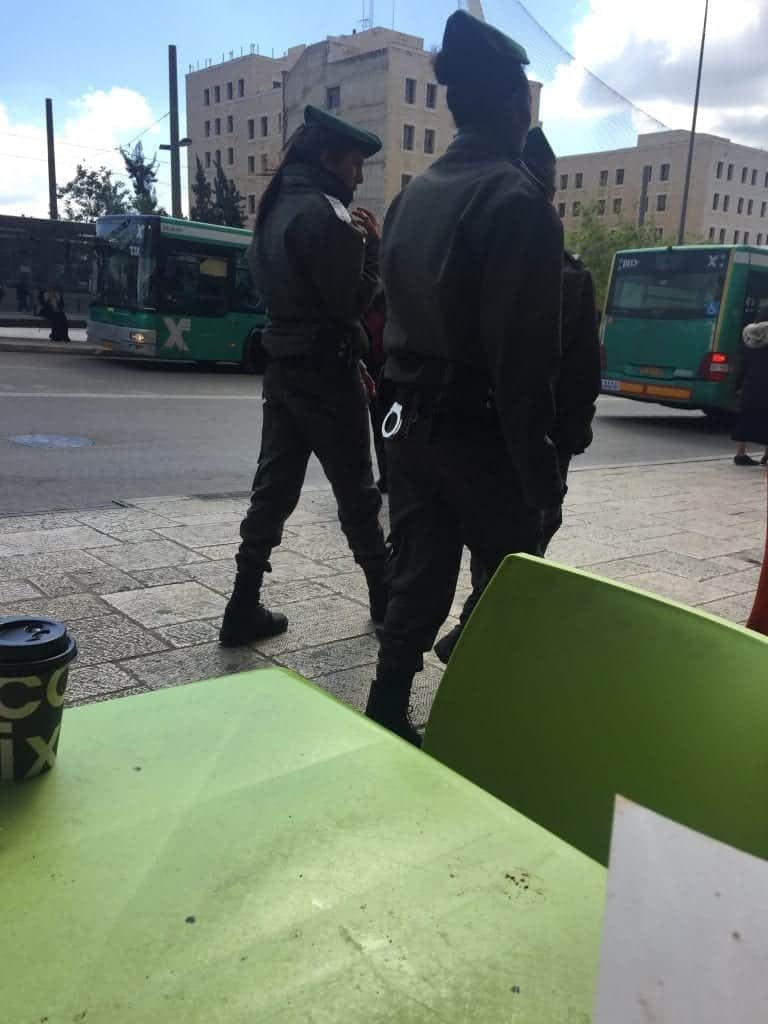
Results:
x,y
373,322
316,265
51,311
752,424
472,268
578,383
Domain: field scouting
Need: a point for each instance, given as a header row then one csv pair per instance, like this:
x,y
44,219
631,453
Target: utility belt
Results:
x,y
448,399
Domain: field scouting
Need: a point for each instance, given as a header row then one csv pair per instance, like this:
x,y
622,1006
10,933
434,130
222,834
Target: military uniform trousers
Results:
x,y
321,409
450,487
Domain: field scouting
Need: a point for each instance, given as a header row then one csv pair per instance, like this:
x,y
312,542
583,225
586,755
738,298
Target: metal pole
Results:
x,y
692,142
644,196
53,205
173,92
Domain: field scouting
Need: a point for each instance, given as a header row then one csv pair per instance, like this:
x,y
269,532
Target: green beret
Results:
x,y
366,142
467,41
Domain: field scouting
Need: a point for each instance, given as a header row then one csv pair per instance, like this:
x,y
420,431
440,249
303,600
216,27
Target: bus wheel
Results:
x,y
253,360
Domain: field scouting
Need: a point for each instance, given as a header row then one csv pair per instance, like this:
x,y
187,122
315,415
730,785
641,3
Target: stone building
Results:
x,y
728,199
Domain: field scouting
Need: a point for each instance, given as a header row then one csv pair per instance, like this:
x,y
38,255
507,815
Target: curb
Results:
x,y
72,348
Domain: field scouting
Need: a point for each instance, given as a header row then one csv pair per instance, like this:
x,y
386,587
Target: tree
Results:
x,y
143,175
596,244
91,194
202,208
228,205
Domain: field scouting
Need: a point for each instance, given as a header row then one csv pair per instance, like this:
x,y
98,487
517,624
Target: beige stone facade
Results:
x,y
378,79
728,201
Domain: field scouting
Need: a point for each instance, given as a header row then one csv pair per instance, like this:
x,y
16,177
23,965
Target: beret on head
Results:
x,y
473,52
365,141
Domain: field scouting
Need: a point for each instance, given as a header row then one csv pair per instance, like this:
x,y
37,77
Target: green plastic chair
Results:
x,y
567,689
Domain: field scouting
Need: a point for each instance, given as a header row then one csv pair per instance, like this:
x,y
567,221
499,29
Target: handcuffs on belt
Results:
x,y
392,422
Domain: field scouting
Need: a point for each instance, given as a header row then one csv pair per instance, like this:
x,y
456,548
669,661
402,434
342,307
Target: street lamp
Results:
x,y
691,143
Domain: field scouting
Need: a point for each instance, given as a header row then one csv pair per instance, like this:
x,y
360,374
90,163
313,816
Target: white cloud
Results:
x,y
89,130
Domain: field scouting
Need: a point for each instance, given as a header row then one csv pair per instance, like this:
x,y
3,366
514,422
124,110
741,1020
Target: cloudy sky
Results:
x,y
105,68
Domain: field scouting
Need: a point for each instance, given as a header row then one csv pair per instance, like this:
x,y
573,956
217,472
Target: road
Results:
x,y
164,429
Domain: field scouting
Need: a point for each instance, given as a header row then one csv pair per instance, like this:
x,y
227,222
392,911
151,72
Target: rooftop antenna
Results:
x,y
253,48
366,21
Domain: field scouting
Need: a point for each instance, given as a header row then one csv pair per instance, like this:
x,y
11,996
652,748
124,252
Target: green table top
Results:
x,y
248,850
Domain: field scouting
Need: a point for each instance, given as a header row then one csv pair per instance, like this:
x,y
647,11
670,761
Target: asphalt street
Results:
x,y
160,429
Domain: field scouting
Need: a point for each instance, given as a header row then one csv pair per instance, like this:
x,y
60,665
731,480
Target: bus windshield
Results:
x,y
124,271
681,285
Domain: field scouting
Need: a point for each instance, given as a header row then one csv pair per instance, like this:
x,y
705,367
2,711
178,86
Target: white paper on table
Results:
x,y
685,932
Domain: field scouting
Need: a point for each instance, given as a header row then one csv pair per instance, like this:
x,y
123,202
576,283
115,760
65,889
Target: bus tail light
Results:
x,y
714,367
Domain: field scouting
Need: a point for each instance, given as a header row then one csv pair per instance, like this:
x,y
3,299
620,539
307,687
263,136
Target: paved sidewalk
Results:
x,y
35,339
143,586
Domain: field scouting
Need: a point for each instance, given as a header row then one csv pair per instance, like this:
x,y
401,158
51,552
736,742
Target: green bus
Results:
x,y
174,289
671,330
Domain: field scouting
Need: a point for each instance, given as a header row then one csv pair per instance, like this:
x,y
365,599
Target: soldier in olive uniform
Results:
x,y
578,383
472,267
316,267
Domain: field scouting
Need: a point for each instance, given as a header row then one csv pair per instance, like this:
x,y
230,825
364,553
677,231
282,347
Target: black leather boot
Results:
x,y
444,646
245,617
388,704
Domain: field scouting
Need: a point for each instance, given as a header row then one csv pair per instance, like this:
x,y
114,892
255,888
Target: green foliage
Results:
x,y
228,207
143,175
92,194
596,244
202,208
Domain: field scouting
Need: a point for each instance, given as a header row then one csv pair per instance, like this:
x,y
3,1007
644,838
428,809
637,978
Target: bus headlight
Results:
x,y
137,337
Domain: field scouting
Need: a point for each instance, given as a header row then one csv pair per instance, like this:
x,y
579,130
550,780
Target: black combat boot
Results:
x,y
388,704
444,646
245,617
378,594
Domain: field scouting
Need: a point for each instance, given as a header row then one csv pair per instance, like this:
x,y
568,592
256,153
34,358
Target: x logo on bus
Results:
x,y
176,329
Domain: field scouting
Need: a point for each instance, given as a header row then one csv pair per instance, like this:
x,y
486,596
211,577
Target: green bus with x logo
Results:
x,y
173,289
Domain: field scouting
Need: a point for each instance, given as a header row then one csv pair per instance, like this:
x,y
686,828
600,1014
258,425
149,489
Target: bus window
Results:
x,y
194,283
675,285
757,294
245,298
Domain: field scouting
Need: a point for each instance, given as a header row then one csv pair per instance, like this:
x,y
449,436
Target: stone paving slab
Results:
x,y
143,583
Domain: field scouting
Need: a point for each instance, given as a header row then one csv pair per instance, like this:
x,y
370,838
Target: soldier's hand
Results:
x,y
366,222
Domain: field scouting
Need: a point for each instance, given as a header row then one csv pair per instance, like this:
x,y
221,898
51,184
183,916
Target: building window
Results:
x,y
726,203
217,126
217,94
429,140
207,97
719,171
579,180
277,85
230,156
746,238
617,205
601,206
561,210
736,235
743,175
251,204
620,176
603,178
740,205
659,233
264,122
208,159
207,129
763,208
647,174
722,235
750,207
563,182
218,156
754,177
431,95
759,238
576,209
716,201
333,97
410,90
729,172
404,179
251,164
230,91
241,87
251,128
661,203
711,234
230,123
264,163
408,133
664,172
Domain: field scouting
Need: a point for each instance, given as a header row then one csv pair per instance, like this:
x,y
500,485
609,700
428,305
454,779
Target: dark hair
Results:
x,y
476,99
306,146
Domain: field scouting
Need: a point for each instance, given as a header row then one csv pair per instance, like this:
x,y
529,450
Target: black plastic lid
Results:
x,y
26,639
